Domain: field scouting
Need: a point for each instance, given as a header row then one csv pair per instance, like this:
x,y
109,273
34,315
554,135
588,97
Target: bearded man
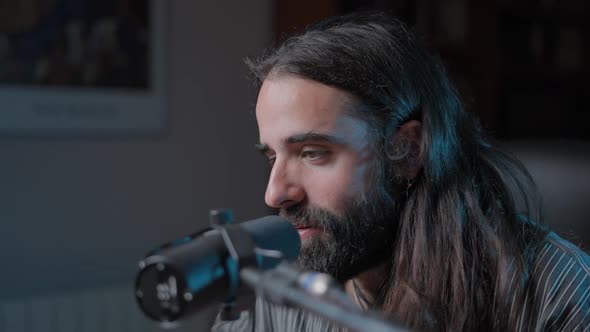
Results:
x,y
398,194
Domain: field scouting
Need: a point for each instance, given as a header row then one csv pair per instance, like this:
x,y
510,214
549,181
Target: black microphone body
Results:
x,y
192,273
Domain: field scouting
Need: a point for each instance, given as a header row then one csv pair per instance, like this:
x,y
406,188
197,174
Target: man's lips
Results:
x,y
306,231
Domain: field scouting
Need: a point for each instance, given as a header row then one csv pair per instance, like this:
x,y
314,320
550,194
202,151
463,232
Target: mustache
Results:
x,y
314,217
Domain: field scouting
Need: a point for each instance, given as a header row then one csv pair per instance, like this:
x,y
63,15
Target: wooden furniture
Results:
x,y
523,67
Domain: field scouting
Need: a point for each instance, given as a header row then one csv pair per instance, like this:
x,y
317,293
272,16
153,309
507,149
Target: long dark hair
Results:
x,y
467,226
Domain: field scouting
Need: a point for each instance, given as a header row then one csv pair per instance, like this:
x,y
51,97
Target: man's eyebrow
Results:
x,y
314,137
304,138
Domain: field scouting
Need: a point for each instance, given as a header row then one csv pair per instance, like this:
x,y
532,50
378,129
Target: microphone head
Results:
x,y
188,275
274,233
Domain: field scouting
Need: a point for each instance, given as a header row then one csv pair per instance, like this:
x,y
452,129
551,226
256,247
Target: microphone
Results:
x,y
187,275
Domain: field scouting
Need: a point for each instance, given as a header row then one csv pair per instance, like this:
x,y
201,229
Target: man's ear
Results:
x,y
406,150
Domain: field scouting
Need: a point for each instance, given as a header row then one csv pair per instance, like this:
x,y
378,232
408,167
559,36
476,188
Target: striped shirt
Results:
x,y
557,298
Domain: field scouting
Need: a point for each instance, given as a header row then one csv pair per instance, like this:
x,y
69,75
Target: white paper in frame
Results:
x,y
113,69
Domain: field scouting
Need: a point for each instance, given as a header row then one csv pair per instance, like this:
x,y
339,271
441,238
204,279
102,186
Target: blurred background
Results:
x,y
78,211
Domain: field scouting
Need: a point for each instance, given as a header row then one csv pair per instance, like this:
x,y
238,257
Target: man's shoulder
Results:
x,y
559,285
558,257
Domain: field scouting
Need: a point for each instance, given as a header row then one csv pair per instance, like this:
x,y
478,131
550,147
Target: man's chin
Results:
x,y
339,262
320,258
341,275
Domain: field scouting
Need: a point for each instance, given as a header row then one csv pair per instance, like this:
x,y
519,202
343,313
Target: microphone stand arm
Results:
x,y
315,292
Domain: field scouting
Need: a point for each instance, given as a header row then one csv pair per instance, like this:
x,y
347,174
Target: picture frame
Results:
x,y
83,68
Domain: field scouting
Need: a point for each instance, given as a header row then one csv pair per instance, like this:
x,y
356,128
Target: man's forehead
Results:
x,y
292,110
288,92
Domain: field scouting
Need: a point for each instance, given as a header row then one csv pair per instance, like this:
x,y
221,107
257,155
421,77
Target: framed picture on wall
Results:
x,y
82,67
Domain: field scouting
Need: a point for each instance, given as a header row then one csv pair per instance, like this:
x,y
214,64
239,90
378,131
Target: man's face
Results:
x,y
322,176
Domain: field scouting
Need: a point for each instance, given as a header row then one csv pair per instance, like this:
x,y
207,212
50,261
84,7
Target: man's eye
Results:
x,y
314,154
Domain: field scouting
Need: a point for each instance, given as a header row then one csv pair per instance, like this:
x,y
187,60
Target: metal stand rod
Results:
x,y
332,303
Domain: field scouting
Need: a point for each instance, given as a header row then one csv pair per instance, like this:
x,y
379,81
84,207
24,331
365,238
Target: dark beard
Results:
x,y
349,244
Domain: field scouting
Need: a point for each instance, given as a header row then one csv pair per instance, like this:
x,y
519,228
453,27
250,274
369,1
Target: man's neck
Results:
x,y
365,286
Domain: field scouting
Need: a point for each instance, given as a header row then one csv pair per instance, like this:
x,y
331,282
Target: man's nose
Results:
x,y
284,188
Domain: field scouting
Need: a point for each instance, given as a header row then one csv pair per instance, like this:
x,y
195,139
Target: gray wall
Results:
x,y
79,213
561,170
